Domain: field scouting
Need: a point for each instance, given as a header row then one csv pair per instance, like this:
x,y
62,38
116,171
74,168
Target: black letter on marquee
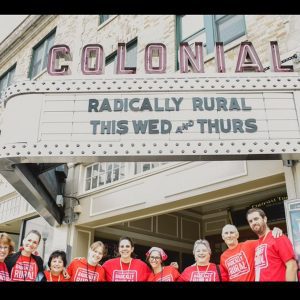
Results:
x,y
93,103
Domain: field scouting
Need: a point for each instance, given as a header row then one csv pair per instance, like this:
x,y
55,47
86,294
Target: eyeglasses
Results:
x,y
155,257
4,248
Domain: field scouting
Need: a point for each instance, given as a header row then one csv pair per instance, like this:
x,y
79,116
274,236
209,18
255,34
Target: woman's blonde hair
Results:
x,y
97,244
6,239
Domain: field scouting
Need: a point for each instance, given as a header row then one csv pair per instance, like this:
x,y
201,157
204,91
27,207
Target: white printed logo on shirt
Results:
x,y
4,276
165,278
203,276
82,275
127,275
24,271
261,260
237,265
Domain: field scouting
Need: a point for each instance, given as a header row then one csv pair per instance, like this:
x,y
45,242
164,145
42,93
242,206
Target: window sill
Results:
x,y
39,74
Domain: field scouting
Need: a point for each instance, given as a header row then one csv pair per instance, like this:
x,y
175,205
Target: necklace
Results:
x,y
161,275
52,279
87,272
128,266
260,242
205,270
23,268
265,236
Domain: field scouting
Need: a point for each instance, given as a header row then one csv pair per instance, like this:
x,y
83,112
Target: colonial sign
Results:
x,y
182,117
155,59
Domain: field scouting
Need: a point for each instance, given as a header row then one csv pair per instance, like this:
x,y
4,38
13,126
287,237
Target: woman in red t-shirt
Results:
x,y
6,248
57,263
25,265
155,258
126,268
202,270
82,269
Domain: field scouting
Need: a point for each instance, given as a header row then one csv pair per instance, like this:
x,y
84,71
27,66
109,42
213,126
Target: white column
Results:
x,y
292,178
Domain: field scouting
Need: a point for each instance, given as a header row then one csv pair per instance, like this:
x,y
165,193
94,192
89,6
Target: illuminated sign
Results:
x,y
155,59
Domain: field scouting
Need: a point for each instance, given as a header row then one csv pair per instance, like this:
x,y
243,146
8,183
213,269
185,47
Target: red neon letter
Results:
x,y
92,59
276,63
160,51
247,52
56,53
220,61
186,55
121,57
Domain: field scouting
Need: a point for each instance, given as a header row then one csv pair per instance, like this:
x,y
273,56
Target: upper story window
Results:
x,y
103,18
40,55
131,58
209,29
102,174
7,78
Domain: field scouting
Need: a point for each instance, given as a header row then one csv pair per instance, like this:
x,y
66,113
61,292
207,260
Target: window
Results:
x,y
141,167
209,29
7,78
40,55
102,174
131,58
103,18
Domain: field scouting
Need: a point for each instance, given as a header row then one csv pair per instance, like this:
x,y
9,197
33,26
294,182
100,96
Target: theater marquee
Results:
x,y
183,117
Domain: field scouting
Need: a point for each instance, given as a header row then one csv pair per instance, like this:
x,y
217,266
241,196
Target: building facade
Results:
x,y
94,191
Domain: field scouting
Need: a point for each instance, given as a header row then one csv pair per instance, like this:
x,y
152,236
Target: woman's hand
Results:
x,y
174,264
66,274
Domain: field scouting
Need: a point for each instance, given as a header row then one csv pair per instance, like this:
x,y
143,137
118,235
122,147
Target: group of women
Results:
x,y
26,265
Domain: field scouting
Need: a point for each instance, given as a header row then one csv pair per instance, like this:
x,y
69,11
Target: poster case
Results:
x,y
292,212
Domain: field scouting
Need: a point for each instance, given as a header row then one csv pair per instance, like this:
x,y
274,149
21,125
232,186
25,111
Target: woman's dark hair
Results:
x,y
126,238
133,255
36,233
58,253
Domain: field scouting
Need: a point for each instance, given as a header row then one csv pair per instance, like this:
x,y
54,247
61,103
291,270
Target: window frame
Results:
x,y
45,55
211,32
10,78
223,20
103,19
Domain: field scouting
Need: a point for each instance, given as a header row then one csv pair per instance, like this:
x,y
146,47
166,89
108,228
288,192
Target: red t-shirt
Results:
x,y
238,264
25,269
80,270
270,257
200,273
4,275
116,270
168,273
53,278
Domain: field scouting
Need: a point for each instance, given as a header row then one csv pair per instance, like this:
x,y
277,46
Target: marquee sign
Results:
x,y
182,117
